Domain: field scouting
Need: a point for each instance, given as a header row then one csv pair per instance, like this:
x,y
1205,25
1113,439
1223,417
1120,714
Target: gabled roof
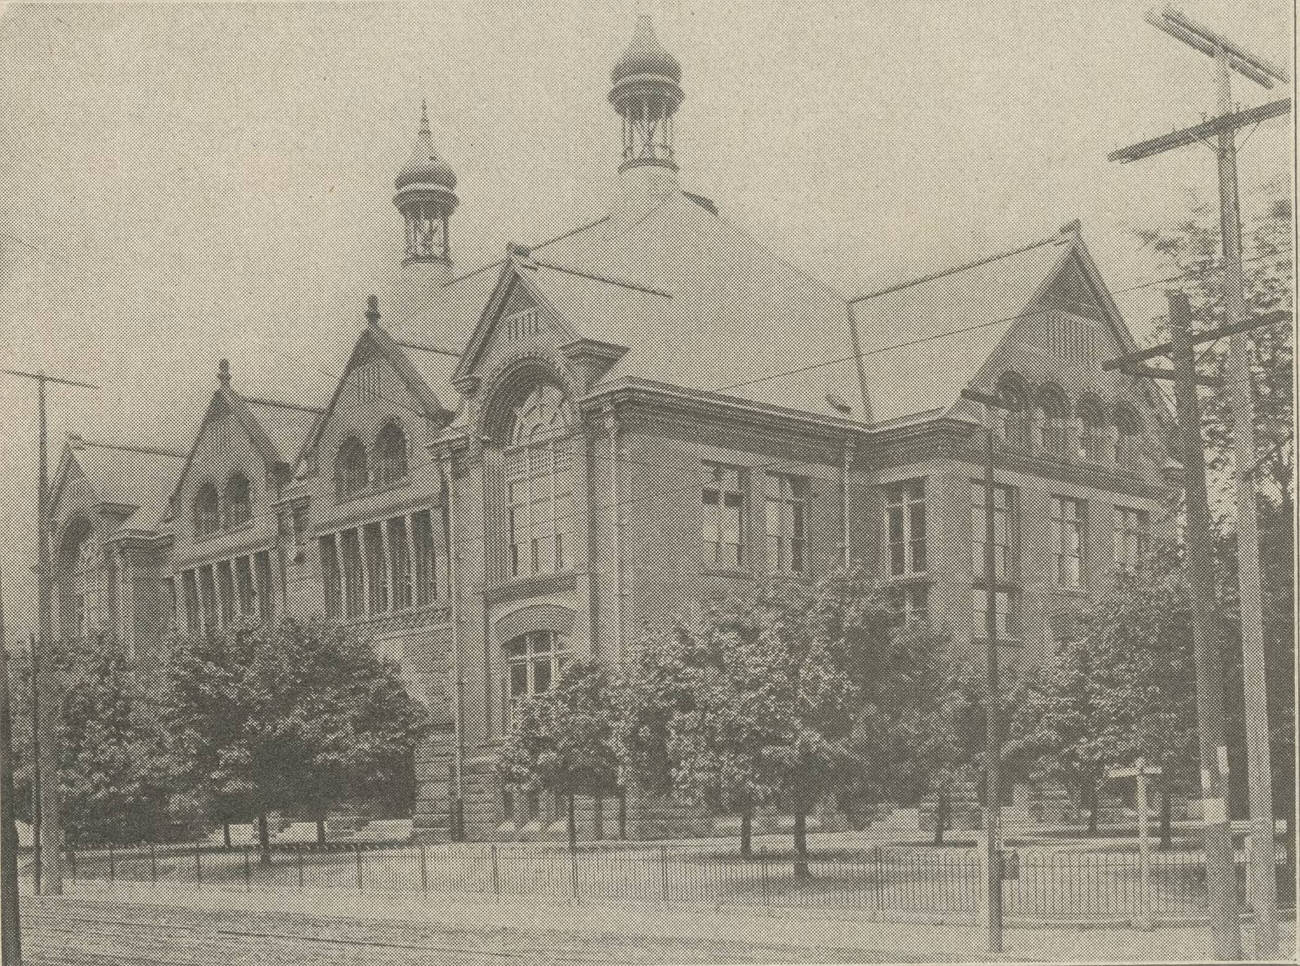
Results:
x,y
276,429
926,340
131,476
698,304
375,337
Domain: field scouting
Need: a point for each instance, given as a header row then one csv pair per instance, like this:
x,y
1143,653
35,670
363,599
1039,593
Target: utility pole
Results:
x,y
993,683
36,767
10,935
1229,57
51,819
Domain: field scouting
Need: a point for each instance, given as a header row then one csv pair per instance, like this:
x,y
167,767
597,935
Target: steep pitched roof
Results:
x,y
926,340
276,429
133,476
698,304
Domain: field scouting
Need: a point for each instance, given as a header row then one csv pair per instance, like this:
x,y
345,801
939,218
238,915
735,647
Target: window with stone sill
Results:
x,y
533,664
723,499
540,485
906,528
784,502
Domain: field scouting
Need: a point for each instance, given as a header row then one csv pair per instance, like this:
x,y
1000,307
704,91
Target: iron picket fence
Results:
x,y
886,882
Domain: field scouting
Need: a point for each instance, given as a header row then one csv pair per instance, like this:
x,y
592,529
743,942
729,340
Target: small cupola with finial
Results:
x,y
647,92
426,197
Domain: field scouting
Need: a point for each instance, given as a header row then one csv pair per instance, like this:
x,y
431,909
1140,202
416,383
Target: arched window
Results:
x,y
1055,408
239,507
1014,421
533,663
351,474
207,511
1128,425
390,454
539,484
1092,429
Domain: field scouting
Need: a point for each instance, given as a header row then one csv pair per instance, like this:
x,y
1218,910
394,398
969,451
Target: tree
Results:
x,y
114,768
295,717
563,740
1122,687
1192,249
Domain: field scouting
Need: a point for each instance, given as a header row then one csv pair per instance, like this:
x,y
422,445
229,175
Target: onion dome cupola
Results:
x,y
426,197
647,91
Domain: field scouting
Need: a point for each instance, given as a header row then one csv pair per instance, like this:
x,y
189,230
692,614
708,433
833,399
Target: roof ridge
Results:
x,y
535,262
284,405
549,241
132,448
1060,238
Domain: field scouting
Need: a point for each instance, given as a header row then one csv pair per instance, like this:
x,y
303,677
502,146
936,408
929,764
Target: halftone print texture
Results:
x,y
628,593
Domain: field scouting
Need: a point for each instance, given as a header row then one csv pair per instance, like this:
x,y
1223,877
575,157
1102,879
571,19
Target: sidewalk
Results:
x,y
808,935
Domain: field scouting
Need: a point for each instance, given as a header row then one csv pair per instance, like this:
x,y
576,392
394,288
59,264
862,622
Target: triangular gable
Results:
x,y
1073,284
375,340
514,292
67,462
227,401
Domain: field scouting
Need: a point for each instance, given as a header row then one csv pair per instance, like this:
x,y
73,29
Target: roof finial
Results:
x,y
424,115
372,310
223,373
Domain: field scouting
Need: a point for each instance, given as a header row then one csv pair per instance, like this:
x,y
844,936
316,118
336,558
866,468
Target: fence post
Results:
x,y
880,883
248,870
198,866
496,873
663,870
762,860
72,863
153,864
112,864
573,873
357,846
300,870
424,869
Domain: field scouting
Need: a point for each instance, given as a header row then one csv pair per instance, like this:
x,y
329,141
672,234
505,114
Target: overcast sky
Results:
x,y
185,182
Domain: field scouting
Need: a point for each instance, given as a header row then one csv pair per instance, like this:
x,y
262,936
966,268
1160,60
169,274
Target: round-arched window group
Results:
x,y
1048,405
357,468
540,488
223,509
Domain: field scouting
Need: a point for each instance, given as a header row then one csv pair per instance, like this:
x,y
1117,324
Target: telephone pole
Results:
x,y
1229,57
10,936
992,682
47,730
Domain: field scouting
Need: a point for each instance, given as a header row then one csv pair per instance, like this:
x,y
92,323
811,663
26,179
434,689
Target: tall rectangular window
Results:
x,y
226,590
1069,523
1132,537
173,604
399,559
376,567
910,602
784,500
329,561
1004,530
208,598
245,593
723,501
262,582
190,594
1006,606
906,526
354,604
426,562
